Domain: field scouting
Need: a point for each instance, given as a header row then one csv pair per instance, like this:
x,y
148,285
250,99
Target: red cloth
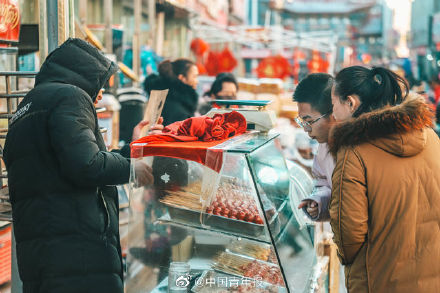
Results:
x,y
219,127
197,151
192,139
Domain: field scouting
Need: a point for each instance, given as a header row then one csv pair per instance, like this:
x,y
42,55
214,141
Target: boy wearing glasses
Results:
x,y
313,95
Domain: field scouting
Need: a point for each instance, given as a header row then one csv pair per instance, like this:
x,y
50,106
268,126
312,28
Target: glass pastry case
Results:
x,y
219,217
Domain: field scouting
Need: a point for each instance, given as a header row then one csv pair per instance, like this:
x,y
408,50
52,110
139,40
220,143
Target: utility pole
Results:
x,y
83,12
152,23
136,36
108,12
56,25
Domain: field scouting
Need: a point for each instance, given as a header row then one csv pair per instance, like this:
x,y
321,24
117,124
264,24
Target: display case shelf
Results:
x,y
244,211
207,229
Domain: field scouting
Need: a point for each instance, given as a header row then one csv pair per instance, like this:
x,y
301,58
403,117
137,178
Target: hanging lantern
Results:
x,y
211,64
227,61
317,63
274,67
201,68
366,58
298,55
199,47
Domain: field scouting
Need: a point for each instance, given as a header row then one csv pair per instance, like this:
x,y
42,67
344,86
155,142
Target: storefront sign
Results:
x,y
9,21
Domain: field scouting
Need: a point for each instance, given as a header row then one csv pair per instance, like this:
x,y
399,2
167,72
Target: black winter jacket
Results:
x,y
65,207
182,99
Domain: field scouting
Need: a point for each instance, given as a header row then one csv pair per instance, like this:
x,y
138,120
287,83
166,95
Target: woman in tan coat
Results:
x,y
385,205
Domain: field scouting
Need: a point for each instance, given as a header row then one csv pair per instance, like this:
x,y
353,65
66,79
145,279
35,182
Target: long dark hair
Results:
x,y
376,87
172,69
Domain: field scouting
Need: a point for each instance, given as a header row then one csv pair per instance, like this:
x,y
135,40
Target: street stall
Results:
x,y
221,215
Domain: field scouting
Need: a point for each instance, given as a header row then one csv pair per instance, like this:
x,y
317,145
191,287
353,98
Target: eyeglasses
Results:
x,y
308,125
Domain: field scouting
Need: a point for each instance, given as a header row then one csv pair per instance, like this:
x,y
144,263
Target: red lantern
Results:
x,y
227,61
298,55
317,63
201,68
274,67
199,47
211,63
366,58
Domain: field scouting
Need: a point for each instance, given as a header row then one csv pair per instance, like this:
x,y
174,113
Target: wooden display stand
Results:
x,y
334,265
326,248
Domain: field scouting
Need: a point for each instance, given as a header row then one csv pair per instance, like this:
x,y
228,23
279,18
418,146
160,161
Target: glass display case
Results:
x,y
218,218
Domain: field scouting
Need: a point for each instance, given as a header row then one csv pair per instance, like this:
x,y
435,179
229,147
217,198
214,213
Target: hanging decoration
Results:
x,y
201,68
317,63
199,47
274,67
298,55
226,62
365,58
212,64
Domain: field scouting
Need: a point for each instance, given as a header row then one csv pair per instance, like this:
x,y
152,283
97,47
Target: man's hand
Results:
x,y
311,207
144,174
155,129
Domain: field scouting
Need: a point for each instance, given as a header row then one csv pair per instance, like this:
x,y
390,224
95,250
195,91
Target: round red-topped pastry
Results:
x,y
241,215
233,213
249,217
258,220
217,211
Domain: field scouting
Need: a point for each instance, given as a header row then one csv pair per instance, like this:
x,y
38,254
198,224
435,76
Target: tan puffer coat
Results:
x,y
385,206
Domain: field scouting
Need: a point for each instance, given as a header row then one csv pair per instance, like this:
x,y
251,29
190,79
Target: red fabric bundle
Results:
x,y
192,139
203,128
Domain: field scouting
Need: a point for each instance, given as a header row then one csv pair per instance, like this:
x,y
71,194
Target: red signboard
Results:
x,y
9,21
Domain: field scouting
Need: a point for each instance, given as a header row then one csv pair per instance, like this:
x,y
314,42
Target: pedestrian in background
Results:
x,y
181,78
224,87
385,204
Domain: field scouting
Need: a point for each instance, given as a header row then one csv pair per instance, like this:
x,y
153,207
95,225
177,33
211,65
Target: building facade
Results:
x,y
425,38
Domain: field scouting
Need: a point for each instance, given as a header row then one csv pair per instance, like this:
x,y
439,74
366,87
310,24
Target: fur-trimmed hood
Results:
x,y
399,129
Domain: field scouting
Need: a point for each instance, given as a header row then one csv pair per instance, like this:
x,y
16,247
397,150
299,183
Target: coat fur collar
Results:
x,y
412,114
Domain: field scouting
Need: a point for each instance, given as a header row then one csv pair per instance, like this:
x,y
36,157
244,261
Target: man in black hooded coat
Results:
x,y
61,178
